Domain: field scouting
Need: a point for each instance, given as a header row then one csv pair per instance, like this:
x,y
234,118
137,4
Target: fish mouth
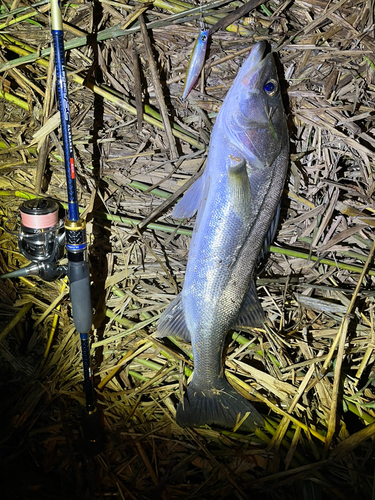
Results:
x,y
255,62
257,53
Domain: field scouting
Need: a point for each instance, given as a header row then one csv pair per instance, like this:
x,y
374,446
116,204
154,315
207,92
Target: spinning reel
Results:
x,y
41,239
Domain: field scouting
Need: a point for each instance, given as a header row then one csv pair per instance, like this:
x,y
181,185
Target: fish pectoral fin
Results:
x,y
251,312
189,203
220,405
172,322
239,187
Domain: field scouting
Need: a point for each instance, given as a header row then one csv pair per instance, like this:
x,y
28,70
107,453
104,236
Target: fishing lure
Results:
x,y
196,62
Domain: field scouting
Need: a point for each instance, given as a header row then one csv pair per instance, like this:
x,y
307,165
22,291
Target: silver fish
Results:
x,y
237,198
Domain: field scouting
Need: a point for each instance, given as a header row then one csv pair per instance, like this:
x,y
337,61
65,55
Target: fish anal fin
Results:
x,y
189,203
172,322
251,312
220,406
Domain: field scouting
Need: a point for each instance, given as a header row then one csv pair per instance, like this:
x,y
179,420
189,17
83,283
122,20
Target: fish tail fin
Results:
x,y
220,405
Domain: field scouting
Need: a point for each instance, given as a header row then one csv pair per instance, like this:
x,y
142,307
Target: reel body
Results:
x,y
41,239
40,232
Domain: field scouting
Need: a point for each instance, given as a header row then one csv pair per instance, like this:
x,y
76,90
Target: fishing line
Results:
x,y
42,221
201,22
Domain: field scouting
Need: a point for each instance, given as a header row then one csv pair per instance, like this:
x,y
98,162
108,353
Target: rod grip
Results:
x,y
80,296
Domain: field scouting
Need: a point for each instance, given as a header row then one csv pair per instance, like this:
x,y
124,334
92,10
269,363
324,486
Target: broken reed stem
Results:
x,y
283,426
19,10
293,447
54,324
349,310
250,390
43,152
15,320
184,7
55,304
363,363
14,100
137,86
20,19
294,457
148,465
157,88
130,109
350,443
134,327
229,19
341,339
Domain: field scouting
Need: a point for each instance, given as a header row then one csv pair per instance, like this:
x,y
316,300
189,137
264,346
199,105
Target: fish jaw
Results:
x,y
252,117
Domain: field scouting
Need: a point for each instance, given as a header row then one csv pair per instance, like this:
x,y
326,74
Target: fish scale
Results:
x,y
237,199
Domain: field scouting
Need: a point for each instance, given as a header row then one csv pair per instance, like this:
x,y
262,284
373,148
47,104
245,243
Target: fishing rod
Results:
x,y
75,238
42,239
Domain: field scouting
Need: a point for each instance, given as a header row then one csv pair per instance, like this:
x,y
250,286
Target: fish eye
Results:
x,y
271,88
203,38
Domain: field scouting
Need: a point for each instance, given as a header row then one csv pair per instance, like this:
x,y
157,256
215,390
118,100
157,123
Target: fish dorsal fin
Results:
x,y
270,235
189,203
239,186
251,312
172,322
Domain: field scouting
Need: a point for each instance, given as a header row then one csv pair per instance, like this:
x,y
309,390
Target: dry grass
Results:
x,y
310,371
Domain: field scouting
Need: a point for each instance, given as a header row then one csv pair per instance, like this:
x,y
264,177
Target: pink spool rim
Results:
x,y
39,221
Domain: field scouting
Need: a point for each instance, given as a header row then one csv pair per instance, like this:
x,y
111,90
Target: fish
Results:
x,y
195,63
238,202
